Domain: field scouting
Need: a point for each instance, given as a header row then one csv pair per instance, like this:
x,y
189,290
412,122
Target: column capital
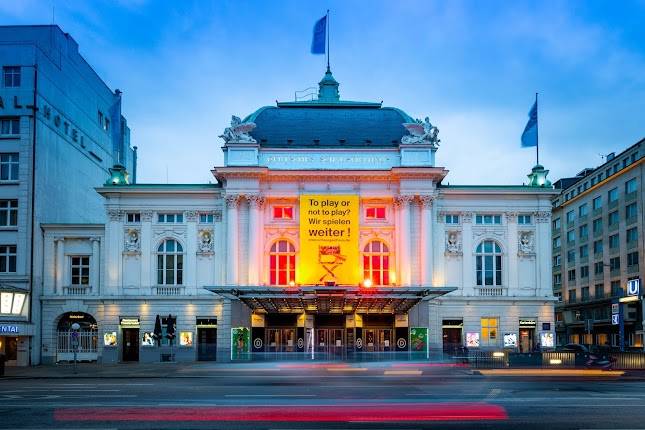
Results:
x,y
59,239
542,217
95,240
467,217
232,201
146,216
511,217
114,214
191,216
256,200
426,201
403,200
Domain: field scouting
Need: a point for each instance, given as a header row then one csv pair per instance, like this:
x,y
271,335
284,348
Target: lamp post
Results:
x,y
75,343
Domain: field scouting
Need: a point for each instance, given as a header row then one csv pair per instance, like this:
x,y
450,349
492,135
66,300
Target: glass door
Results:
x,y
288,340
385,339
370,340
273,340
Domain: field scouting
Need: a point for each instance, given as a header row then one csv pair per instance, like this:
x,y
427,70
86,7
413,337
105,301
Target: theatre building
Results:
x,y
329,233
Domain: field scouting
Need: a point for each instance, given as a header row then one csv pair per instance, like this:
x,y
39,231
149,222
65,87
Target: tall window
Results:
x,y
282,263
7,258
8,213
8,167
489,331
489,263
170,263
11,75
80,266
10,126
376,263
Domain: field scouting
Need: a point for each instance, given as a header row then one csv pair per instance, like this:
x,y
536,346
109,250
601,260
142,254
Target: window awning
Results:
x,y
335,299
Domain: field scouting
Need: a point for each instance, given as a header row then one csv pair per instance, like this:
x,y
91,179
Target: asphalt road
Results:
x,y
321,396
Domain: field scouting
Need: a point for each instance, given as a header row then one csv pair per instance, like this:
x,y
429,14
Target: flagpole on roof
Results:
x,y
327,39
537,136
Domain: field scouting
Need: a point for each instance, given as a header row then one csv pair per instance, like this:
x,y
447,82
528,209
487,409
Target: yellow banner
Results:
x,y
329,239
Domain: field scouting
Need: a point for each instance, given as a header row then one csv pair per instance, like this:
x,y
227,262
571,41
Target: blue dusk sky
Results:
x,y
473,66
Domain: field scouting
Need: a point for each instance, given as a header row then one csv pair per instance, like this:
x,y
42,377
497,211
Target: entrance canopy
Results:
x,y
336,299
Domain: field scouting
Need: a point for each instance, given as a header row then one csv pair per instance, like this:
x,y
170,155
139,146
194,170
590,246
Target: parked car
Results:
x,y
573,347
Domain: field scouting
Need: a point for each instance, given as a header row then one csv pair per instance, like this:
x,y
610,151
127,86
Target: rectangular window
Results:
x,y
583,231
557,242
614,241
489,331
630,186
614,263
584,251
8,213
584,271
612,195
11,76
632,259
557,260
616,288
283,212
375,212
206,218
571,236
597,203
572,275
488,219
613,218
10,126
9,167
632,235
585,293
597,247
582,210
452,219
571,216
171,218
556,224
572,296
133,217
557,279
524,219
8,258
571,256
80,270
598,268
597,225
631,211
600,291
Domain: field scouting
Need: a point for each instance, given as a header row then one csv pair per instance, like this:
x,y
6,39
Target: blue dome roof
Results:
x,y
339,124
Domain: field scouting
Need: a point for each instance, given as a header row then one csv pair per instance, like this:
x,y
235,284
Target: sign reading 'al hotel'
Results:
x,y
329,233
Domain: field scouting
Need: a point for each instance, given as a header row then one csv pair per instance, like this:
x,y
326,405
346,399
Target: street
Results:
x,y
318,395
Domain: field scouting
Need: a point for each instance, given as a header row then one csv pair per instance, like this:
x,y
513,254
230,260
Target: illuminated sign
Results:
x,y
148,339
13,329
109,338
329,230
129,322
528,323
615,308
547,340
634,287
472,340
510,340
186,338
628,299
615,319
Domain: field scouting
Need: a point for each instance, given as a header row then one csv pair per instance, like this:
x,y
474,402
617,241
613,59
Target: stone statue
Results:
x,y
421,133
238,132
205,241
453,243
525,243
132,243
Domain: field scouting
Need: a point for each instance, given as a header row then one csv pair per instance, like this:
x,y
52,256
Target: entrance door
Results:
x,y
273,340
130,344
526,339
384,339
370,340
451,340
206,344
288,336
322,340
337,342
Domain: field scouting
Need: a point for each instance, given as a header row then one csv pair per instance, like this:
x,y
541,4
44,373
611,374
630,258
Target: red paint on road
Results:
x,y
396,412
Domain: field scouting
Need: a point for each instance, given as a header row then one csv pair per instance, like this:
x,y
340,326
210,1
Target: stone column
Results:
x,y
232,205
542,243
426,242
513,280
148,274
114,254
95,274
468,266
255,255
59,262
190,262
404,234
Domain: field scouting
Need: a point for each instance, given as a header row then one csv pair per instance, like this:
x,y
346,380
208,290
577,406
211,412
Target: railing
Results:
x,y
491,291
88,342
162,290
77,290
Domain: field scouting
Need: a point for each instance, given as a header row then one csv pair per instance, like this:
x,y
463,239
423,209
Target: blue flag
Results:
x,y
530,134
320,33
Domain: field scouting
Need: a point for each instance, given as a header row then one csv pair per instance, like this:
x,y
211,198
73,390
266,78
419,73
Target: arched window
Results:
x,y
376,263
282,263
170,263
489,263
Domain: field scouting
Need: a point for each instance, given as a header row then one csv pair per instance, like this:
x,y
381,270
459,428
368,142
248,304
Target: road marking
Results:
x,y
346,369
269,395
403,372
551,372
